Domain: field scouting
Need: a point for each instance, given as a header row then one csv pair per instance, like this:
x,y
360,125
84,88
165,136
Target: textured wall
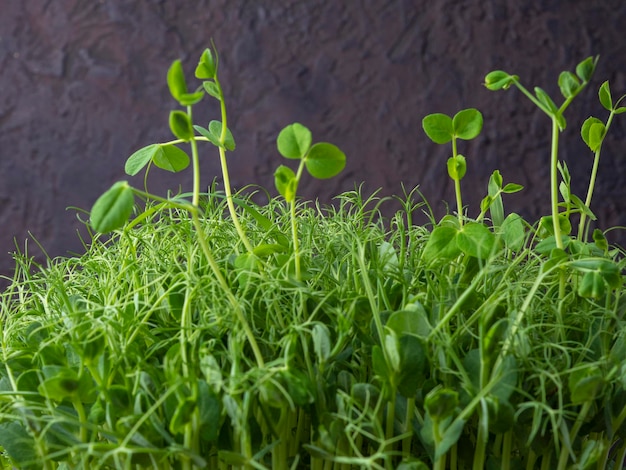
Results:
x,y
82,85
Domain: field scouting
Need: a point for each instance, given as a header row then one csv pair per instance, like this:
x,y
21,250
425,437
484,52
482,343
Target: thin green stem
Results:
x,y
457,187
195,165
582,229
554,183
226,176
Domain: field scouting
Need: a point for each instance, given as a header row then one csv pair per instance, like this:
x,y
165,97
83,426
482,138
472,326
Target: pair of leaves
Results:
x,y
593,130
465,125
213,133
446,242
499,80
571,84
322,160
165,156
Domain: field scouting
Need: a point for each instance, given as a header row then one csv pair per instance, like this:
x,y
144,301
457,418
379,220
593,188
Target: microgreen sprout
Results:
x,y
570,85
390,345
322,160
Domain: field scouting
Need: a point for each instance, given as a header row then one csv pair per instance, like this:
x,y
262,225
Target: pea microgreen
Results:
x,y
197,334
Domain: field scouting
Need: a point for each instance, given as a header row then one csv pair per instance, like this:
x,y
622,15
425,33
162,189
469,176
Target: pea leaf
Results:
x,y
438,127
285,182
325,160
569,84
511,188
171,158
294,141
467,123
18,443
513,233
604,94
476,240
586,68
140,159
215,127
207,67
112,210
212,89
180,125
593,131
441,245
546,102
176,80
457,167
499,80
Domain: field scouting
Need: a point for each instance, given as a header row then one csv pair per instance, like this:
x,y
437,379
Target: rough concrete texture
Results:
x,y
82,85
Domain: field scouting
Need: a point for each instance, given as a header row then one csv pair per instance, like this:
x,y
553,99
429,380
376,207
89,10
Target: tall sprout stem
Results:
x,y
207,250
554,183
226,176
582,229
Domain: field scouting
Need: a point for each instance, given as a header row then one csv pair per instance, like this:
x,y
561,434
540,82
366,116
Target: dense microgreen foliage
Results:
x,y
197,334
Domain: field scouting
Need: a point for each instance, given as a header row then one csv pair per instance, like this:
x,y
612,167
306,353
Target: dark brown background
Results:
x,y
82,85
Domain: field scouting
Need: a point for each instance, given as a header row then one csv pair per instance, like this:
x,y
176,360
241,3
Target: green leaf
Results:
x,y
412,365
569,84
607,269
499,80
600,240
620,110
476,240
189,99
112,210
441,245
325,160
457,167
511,188
379,364
593,131
210,410
438,127
206,68
215,128
286,183
441,403
206,133
176,80
321,342
213,90
171,158
604,94
585,69
294,141
548,105
584,383
138,160
467,124
513,233
180,125
495,183
591,286
18,443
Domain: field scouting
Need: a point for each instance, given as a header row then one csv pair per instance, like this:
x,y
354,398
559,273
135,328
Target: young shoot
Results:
x,y
322,160
441,129
570,85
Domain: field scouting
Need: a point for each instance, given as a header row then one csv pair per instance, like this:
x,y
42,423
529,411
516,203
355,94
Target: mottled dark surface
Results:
x,y
82,85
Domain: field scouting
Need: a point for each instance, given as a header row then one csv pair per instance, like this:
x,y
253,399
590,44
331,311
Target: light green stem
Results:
x,y
554,183
592,182
225,175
